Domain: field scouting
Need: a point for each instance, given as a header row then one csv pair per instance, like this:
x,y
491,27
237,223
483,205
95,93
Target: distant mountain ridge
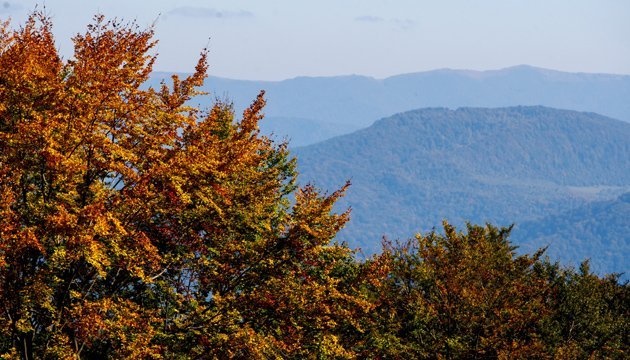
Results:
x,y
354,102
505,165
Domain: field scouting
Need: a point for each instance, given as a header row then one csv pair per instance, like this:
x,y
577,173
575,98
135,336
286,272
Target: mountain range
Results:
x,y
486,151
307,110
529,165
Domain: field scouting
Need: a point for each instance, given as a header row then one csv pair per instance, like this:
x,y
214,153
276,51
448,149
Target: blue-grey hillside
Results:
x,y
504,165
599,230
311,109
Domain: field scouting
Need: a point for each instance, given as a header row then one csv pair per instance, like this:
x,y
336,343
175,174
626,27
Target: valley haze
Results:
x,y
486,146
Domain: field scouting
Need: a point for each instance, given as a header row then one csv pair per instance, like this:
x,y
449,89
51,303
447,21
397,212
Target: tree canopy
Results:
x,y
134,225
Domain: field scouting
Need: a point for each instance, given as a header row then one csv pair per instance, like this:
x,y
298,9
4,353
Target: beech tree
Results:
x,y
136,226
469,295
458,295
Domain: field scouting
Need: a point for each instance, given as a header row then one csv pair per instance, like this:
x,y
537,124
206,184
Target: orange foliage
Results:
x,y
134,225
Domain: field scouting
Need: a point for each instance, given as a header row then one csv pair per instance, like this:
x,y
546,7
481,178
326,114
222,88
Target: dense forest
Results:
x,y
136,226
544,170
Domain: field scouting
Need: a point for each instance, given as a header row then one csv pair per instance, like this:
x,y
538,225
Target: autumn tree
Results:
x,y
458,295
136,226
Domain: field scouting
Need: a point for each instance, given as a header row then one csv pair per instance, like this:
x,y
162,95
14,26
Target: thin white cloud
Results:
x,y
203,12
404,24
369,19
398,23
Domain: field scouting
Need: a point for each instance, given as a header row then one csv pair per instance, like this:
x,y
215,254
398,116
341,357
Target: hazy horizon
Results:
x,y
280,39
458,70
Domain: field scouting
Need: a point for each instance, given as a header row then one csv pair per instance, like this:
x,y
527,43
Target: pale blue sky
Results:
x,y
279,39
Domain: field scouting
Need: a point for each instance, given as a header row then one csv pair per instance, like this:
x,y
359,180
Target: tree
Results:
x,y
458,295
590,314
134,225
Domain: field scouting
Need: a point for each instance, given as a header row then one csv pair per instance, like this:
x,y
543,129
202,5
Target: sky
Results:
x,y
281,39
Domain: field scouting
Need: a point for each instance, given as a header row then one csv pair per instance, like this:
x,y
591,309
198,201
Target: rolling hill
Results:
x,y
506,165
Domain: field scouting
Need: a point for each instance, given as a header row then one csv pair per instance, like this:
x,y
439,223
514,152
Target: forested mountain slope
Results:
x,y
599,231
506,165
